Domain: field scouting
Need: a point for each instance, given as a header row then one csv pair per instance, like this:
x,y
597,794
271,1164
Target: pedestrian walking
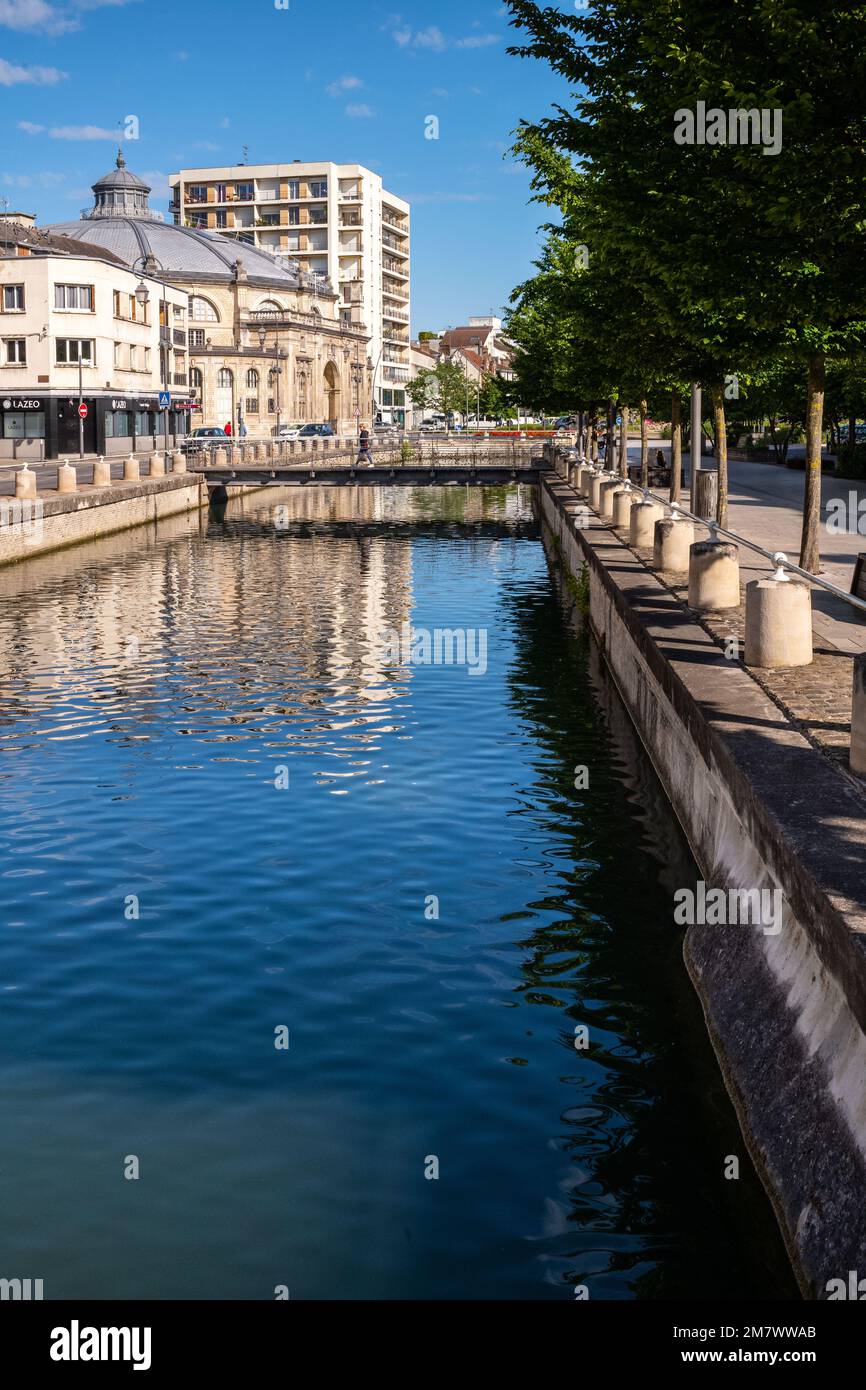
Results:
x,y
364,451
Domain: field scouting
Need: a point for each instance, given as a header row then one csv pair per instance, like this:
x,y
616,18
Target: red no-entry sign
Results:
x,y
82,411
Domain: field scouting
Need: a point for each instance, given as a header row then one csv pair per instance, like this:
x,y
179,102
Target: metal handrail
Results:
x,y
778,557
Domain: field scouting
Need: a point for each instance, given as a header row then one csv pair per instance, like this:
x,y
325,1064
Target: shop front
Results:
x,y
50,426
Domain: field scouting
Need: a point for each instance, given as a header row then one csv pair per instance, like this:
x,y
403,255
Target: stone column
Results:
x,y
25,482
705,493
674,537
221,458
623,501
778,621
606,495
714,576
102,472
67,478
642,522
131,470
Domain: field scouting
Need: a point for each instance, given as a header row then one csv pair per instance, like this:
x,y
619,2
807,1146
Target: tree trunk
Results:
x,y
644,444
623,442
810,557
610,440
721,432
593,439
676,446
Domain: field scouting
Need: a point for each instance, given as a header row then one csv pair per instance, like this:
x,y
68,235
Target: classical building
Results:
x,y
332,222
82,335
267,343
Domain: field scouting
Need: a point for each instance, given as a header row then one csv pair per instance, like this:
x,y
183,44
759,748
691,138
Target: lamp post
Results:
x,y
153,268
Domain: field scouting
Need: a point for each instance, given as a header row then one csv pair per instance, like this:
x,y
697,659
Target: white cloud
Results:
x,y
205,145
48,179
40,17
11,75
158,182
359,110
35,15
349,83
439,91
431,37
225,123
477,41
83,132
30,128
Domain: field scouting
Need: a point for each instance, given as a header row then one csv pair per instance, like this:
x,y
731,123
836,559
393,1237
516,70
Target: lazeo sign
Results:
x,y
118,405
10,403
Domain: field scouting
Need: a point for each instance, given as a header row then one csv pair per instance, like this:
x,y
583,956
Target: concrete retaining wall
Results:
x,y
762,808
55,522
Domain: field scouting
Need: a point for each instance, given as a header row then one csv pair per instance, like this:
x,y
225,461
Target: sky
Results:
x,y
348,82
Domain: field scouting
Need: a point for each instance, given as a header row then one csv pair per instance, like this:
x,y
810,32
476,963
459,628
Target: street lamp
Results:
x,y
153,268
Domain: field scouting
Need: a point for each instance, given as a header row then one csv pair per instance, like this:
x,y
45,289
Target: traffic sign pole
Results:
x,y
80,406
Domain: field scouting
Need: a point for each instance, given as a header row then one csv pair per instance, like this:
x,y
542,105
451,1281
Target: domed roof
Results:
x,y
183,252
122,223
121,177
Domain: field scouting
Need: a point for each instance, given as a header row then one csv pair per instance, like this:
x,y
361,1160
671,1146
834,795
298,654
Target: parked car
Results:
x,y
203,437
308,431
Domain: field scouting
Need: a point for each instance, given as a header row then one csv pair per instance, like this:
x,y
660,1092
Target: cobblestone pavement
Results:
x,y
817,697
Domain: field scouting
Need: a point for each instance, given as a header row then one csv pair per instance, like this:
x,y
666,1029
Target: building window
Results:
x,y
117,424
118,348
24,426
318,188
73,297
196,337
294,216
221,220
16,352
244,192
294,188
220,193
252,405
13,299
71,351
133,358
197,193
202,311
318,216
144,423
252,379
197,219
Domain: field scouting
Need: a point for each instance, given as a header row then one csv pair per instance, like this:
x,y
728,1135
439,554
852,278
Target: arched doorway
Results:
x,y
332,395
224,397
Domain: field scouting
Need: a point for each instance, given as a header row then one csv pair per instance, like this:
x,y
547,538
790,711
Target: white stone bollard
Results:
x,y
67,478
623,501
595,486
25,482
642,523
585,475
608,490
157,465
714,576
220,458
131,470
857,754
778,621
674,537
178,461
102,472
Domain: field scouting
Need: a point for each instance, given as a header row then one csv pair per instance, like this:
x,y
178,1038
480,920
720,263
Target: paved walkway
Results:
x,y
766,505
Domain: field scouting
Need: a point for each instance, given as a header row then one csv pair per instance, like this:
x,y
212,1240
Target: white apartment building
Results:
x,y
333,223
74,333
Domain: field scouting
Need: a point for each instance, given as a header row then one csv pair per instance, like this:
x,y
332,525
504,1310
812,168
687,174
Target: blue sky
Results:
x,y
346,81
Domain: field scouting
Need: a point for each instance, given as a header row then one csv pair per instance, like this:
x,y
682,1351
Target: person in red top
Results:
x,y
227,427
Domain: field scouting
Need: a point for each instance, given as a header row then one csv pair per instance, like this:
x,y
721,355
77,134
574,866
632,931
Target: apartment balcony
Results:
x,y
395,315
267,195
394,268
394,245
351,221
397,226
396,373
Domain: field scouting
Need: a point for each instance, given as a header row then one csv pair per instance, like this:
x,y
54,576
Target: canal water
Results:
x,y
298,939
